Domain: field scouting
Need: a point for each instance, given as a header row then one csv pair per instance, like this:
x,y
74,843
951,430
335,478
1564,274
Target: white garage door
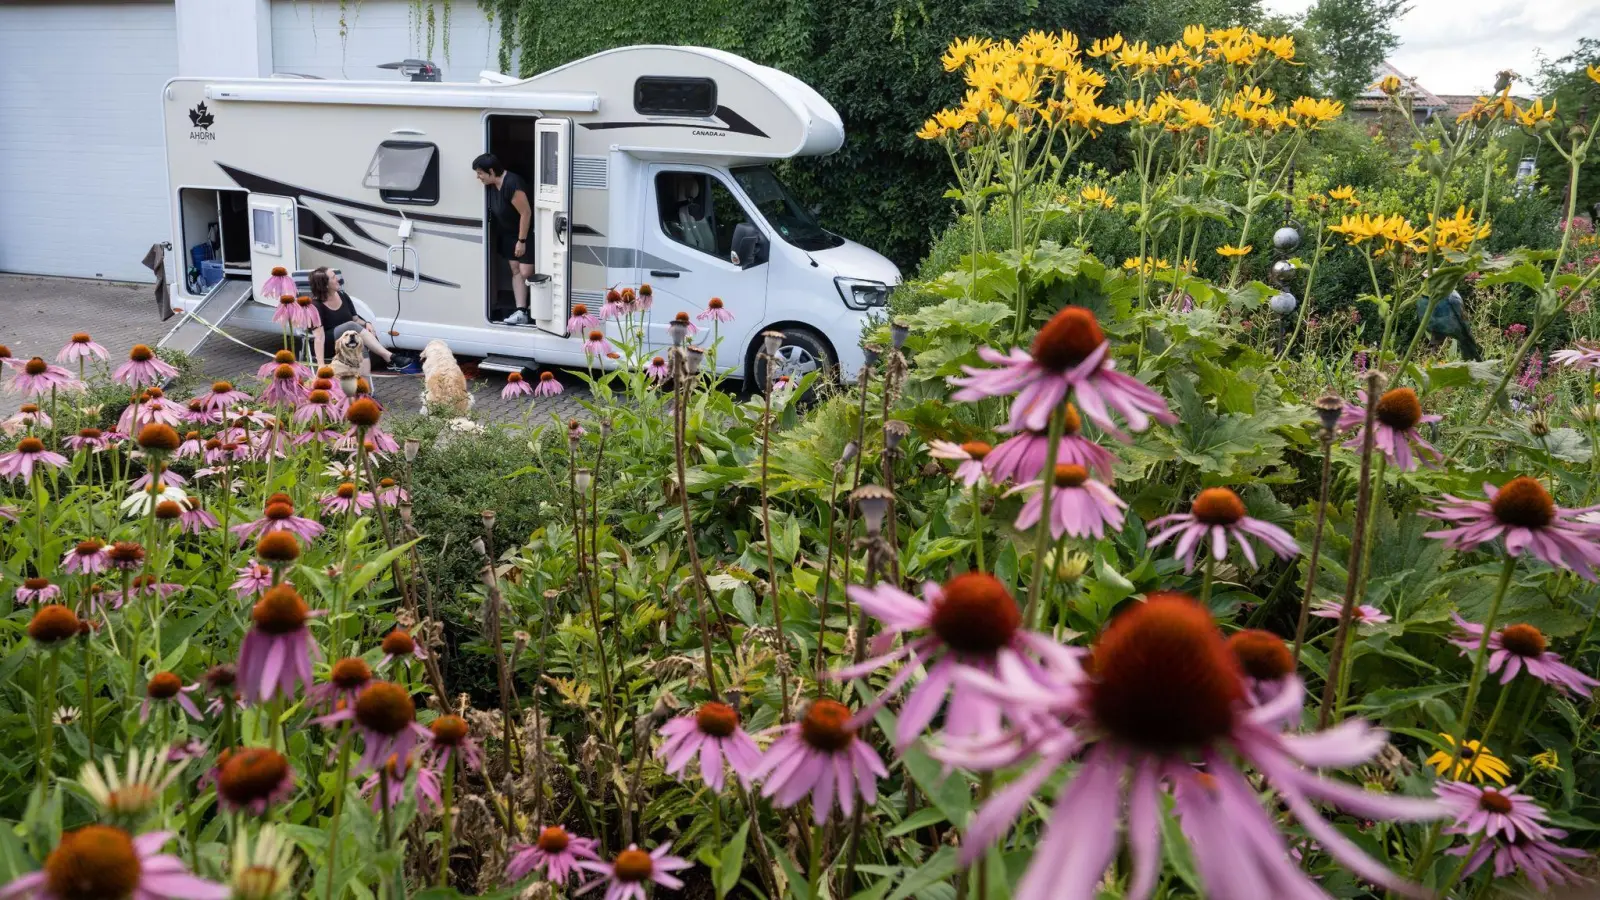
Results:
x,y
82,174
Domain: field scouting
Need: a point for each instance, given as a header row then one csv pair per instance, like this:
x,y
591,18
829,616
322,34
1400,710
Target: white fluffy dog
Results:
x,y
444,385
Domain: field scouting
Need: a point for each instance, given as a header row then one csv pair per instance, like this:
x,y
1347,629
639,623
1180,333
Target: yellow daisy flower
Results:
x,y
1390,84
1549,760
1535,114
1594,73
1359,228
1231,251
1105,46
1344,194
931,130
962,51
1316,110
1194,36
1476,762
1095,195
1281,46
1146,264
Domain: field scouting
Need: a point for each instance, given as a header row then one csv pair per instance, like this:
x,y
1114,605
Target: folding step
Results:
x,y
217,305
498,363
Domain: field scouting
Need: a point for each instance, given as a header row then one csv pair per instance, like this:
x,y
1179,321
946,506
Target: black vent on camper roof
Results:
x,y
663,95
415,69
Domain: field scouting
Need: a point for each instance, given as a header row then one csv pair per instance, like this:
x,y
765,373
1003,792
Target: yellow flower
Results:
x,y
1241,53
1095,195
1256,96
1357,229
1476,762
1228,35
1457,232
952,119
1146,264
1135,56
1399,231
1195,37
1344,194
1019,92
1315,111
963,50
931,130
1281,46
1594,74
1232,252
1390,84
1194,115
1105,46
1536,114
1549,760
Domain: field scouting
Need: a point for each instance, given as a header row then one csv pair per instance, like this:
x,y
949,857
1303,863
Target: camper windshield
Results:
x,y
793,222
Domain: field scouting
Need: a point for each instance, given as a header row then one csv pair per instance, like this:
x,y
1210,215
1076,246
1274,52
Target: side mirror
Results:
x,y
749,247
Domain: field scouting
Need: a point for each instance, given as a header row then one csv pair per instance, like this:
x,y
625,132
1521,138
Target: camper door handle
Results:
x,y
658,273
563,225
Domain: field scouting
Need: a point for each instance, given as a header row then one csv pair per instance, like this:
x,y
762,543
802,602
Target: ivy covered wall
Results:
x,y
876,61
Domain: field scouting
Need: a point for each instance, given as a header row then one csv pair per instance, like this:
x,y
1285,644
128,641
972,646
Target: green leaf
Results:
x,y
1388,700
1526,274
370,570
948,791
922,818
937,868
732,862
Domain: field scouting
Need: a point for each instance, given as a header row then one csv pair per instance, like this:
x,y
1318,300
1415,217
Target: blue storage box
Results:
x,y
210,273
198,254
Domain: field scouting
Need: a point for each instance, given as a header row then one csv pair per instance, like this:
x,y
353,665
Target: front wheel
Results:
x,y
802,352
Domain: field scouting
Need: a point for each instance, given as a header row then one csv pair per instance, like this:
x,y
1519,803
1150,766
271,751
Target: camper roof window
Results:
x,y
405,172
661,95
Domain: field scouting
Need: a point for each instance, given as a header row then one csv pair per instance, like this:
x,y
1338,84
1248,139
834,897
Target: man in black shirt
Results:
x,y
511,221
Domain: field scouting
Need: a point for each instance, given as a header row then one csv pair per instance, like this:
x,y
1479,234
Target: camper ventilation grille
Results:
x,y
589,172
592,298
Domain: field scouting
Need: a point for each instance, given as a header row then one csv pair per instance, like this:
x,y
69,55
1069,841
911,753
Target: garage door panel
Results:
x,y
82,170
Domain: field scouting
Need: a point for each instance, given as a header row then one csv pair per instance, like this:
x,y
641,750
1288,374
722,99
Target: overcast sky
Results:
x,y
1456,46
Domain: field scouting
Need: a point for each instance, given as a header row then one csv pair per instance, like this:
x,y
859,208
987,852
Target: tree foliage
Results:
x,y
1352,38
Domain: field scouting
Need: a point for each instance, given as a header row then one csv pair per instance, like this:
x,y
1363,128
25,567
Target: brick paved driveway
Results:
x,y
37,315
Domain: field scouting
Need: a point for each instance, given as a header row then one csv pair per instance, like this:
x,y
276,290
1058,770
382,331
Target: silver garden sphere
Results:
x,y
1283,302
1283,270
1286,238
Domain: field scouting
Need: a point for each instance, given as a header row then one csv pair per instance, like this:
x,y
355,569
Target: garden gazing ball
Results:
x,y
1286,238
1283,302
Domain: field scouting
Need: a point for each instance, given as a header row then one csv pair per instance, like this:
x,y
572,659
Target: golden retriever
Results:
x,y
444,385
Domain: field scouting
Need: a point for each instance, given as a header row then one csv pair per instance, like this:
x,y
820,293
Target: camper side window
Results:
x,y
699,211
405,172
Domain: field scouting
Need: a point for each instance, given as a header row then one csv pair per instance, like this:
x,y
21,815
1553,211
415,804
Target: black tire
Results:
x,y
802,352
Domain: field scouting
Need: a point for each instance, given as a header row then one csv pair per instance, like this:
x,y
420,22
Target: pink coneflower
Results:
x,y
222,396
167,477
390,493
1080,506
1539,859
253,578
555,854
429,797
283,315
146,586
1218,513
712,735
143,368
166,687
8,513
253,779
275,656
1580,355
1266,663
197,414
1165,692
105,861
284,388
1522,513
87,558
399,644
515,387
597,345
153,409
656,370
317,408
821,756
969,455
715,311
681,320
195,519
279,283
548,385
1021,457
1070,355
969,621
125,556
279,515
1361,614
29,416
627,876
1522,646
37,590
29,452
185,751
305,313
452,739
193,445
647,297
346,499
347,678
80,349
269,368
386,718
91,439
612,308
36,377
1395,428
1493,812
581,320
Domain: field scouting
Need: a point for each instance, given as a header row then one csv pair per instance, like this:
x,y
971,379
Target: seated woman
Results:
x,y
338,315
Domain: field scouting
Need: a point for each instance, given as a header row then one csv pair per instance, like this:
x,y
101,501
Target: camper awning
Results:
x,y
405,94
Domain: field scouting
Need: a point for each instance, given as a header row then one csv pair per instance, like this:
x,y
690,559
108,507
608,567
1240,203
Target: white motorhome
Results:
x,y
648,164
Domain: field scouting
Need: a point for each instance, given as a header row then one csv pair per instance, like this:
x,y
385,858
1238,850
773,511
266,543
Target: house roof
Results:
x,y
1421,97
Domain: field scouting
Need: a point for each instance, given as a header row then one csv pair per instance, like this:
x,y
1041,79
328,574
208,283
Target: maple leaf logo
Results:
x,y
201,117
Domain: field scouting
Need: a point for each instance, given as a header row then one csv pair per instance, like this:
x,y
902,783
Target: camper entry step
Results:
x,y
506,364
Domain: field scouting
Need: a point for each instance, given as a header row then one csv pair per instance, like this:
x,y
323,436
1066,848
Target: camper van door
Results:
x,y
274,238
552,225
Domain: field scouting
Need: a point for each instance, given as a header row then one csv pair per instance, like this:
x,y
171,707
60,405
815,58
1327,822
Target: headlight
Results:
x,y
860,294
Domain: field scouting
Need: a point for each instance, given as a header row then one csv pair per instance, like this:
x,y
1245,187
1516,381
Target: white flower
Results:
x,y
139,502
340,470
131,793
65,715
263,871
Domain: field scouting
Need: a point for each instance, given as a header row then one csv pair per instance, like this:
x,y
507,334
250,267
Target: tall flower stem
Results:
x,y
1357,544
48,668
978,525
1041,538
1316,543
341,780
766,528
388,830
88,693
701,588
1208,575
827,571
855,482
445,837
